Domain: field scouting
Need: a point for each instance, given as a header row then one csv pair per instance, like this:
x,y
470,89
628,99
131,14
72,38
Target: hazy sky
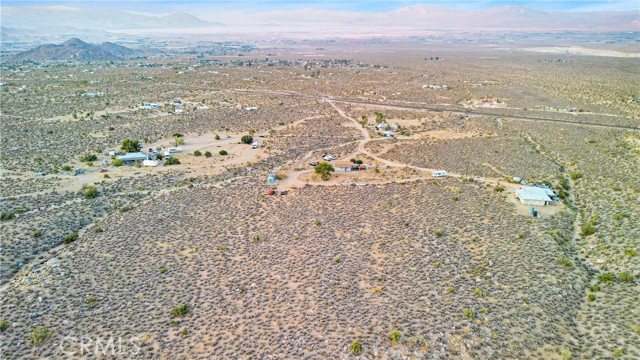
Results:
x,y
195,7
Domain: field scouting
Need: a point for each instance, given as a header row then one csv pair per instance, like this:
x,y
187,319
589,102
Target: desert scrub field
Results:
x,y
264,274
42,221
603,166
502,155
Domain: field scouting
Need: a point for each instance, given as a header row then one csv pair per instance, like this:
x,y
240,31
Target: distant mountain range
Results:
x,y
76,50
416,18
67,17
420,17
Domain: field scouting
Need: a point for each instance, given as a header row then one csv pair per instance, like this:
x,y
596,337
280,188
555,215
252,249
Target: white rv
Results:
x,y
439,173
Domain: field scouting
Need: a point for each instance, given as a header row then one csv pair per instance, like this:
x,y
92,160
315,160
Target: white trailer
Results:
x,y
439,173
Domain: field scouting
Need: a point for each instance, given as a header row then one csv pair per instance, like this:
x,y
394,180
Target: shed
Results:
x,y
133,157
342,166
530,195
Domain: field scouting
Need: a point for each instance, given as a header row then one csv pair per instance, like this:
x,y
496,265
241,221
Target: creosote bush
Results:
x,y
172,161
70,238
40,335
356,347
181,310
395,336
91,193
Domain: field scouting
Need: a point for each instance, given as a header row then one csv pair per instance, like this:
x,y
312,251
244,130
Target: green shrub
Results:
x,y
91,193
607,278
625,277
7,215
66,168
172,161
91,302
587,229
337,260
99,229
470,314
37,233
629,252
566,262
223,152
197,153
70,238
324,170
3,325
117,162
618,352
129,145
246,139
591,297
395,336
207,154
217,137
40,335
439,233
576,176
88,158
181,310
498,188
356,347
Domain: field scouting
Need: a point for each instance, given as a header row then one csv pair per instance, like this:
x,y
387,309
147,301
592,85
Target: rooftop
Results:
x,y
133,156
534,193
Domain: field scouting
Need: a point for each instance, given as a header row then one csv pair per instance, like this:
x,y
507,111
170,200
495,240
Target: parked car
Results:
x,y
313,163
103,170
283,192
41,174
271,192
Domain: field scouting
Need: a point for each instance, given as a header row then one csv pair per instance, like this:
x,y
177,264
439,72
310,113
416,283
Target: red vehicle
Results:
x,y
271,192
103,170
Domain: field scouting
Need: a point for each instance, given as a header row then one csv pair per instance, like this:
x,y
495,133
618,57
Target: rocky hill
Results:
x,y
76,50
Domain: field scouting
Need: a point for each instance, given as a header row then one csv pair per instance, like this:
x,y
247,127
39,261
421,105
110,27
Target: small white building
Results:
x,y
530,195
152,163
